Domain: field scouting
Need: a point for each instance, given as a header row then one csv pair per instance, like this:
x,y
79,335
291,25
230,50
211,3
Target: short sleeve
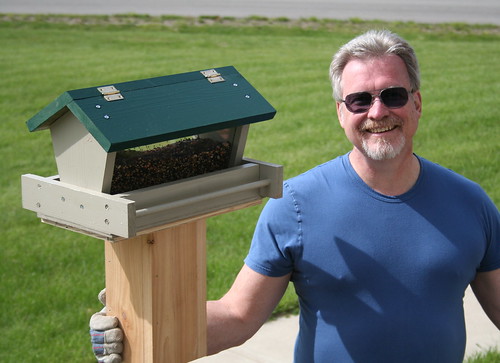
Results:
x,y
491,260
277,236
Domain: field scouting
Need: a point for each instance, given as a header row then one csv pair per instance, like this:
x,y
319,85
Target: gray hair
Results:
x,y
373,44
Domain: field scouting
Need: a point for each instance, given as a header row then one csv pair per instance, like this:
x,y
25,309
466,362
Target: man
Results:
x,y
379,243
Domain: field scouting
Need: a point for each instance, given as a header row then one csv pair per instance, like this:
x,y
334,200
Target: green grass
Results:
x,y
490,356
50,277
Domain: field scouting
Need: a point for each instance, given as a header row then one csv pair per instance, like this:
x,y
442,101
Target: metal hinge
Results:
x,y
110,93
212,76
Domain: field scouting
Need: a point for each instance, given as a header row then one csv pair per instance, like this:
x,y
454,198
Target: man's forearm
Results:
x,y
238,315
486,287
224,329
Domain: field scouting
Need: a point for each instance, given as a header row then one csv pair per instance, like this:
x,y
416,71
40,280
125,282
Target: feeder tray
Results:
x,y
137,155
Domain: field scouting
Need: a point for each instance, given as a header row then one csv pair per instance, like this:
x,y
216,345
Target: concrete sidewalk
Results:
x,y
274,342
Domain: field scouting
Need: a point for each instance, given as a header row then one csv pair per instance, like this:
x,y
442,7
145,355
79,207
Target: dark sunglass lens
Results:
x,y
394,97
358,102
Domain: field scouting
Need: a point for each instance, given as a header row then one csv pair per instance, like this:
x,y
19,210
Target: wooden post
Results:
x,y
156,286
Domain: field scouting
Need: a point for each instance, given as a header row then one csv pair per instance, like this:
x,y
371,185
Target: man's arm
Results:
x,y
486,287
238,315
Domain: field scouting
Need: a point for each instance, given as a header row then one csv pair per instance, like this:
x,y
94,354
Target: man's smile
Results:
x,y
380,130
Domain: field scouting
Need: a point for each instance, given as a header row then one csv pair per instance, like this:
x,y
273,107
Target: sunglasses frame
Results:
x,y
375,94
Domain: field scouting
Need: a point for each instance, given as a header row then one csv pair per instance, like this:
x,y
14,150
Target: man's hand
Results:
x,y
105,335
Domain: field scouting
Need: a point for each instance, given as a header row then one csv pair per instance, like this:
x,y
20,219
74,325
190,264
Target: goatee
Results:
x,y
383,149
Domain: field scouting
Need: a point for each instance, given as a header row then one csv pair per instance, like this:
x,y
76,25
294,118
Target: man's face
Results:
x,y
380,133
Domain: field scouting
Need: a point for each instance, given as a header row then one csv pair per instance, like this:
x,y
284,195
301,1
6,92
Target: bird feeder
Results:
x,y
142,164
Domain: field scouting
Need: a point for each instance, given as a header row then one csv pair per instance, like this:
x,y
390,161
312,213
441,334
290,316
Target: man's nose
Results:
x,y
377,110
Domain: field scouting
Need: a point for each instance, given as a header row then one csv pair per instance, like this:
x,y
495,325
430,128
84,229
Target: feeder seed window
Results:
x,y
148,166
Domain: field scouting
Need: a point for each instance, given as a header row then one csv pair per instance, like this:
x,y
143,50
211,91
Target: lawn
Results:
x,y
50,277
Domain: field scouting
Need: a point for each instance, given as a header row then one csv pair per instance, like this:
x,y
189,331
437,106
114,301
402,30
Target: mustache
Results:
x,y
386,122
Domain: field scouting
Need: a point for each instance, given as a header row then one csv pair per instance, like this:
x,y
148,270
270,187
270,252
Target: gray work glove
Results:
x,y
105,335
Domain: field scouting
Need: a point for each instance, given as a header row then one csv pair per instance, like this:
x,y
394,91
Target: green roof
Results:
x,y
159,109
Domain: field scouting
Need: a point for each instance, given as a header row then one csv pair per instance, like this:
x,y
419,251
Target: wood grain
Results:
x,y
156,286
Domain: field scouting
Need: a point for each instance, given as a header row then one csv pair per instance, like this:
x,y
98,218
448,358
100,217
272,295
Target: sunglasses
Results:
x,y
392,97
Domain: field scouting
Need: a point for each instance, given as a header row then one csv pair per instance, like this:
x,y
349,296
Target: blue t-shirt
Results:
x,y
379,278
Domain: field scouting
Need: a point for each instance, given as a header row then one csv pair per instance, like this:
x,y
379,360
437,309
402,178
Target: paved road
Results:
x,y
432,11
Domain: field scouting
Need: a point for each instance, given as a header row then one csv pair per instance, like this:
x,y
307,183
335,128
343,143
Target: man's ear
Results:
x,y
417,100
